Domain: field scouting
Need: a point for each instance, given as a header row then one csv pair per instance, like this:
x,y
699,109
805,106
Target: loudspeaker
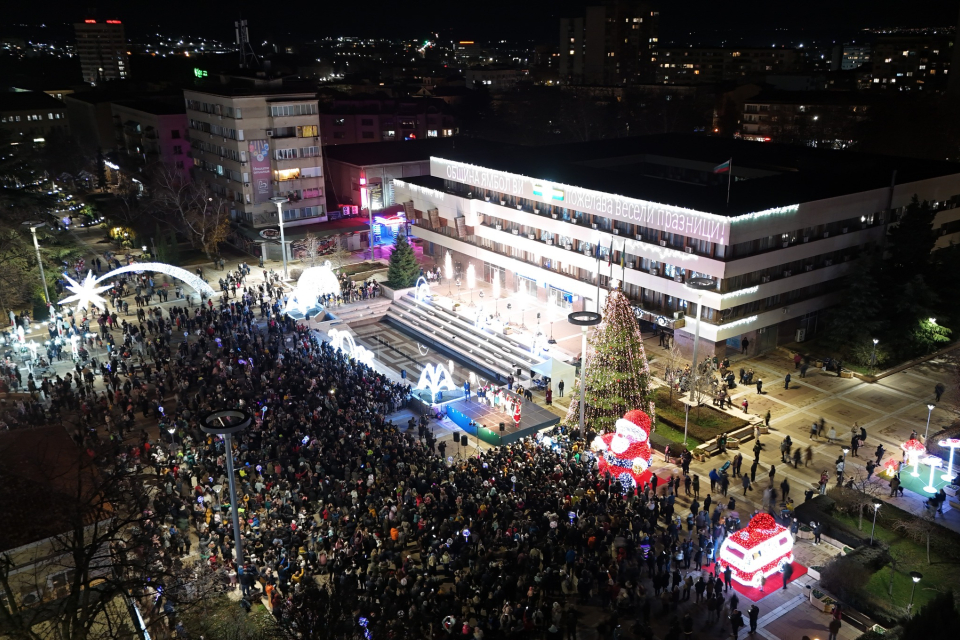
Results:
x,y
463,440
519,372
503,426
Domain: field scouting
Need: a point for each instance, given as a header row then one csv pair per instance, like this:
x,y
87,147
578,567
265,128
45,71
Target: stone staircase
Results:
x,y
494,352
357,314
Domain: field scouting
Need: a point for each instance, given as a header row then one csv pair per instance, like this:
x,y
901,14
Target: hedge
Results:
x,y
673,413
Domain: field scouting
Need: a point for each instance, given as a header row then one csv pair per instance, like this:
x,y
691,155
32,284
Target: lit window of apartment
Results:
x,y
431,133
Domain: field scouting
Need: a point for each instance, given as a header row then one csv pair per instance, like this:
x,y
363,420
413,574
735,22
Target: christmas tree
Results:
x,y
616,373
404,269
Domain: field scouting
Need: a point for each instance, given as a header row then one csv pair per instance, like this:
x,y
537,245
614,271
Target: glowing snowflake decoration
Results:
x,y
86,293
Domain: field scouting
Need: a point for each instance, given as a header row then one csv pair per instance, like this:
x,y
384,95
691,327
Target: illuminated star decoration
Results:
x,y
86,293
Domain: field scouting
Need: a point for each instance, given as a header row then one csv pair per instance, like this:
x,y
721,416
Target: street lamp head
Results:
x,y
278,199
33,225
916,575
931,407
846,451
875,341
876,503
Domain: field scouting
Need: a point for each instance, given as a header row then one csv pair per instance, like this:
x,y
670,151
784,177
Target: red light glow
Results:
x,y
113,22
90,21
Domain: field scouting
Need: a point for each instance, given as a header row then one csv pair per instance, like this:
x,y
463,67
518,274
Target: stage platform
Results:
x,y
486,420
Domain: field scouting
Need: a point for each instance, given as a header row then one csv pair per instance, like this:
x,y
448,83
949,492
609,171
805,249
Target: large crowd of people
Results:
x,y
334,494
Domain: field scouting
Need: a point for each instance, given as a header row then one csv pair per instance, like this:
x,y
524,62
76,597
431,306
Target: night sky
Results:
x,y
529,19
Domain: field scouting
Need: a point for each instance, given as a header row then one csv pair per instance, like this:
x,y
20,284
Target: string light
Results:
x,y
616,372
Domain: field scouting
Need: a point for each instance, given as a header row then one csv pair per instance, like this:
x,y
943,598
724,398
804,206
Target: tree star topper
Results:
x,y
86,293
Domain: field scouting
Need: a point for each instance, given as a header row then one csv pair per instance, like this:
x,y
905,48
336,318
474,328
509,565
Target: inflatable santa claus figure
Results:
x,y
626,453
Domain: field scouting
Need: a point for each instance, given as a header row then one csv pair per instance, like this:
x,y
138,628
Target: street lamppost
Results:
x,y
697,285
930,408
225,423
873,357
584,320
917,577
33,225
876,507
279,200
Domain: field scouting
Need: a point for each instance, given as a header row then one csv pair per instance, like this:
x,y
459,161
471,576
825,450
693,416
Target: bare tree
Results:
x,y
858,497
919,528
674,368
72,569
201,213
309,250
339,255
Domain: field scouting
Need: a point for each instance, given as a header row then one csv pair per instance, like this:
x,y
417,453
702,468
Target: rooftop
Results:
x,y
779,175
158,107
27,100
41,466
378,153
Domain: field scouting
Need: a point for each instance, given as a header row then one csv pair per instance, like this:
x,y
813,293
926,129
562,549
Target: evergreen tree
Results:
x,y
616,373
910,241
404,269
858,318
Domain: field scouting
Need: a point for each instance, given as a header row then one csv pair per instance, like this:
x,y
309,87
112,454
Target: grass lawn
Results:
x,y
666,431
708,418
911,556
361,267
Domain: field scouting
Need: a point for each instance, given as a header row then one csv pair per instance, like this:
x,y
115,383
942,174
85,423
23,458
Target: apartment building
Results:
x,y
913,62
709,65
102,50
376,119
614,43
152,131
30,116
805,117
252,144
494,77
567,226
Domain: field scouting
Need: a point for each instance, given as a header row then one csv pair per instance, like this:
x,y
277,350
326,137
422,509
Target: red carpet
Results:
x,y
774,582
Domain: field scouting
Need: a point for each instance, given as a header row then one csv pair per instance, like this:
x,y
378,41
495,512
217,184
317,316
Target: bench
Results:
x,y
735,438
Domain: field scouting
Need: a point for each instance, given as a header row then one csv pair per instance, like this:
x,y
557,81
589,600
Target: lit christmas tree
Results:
x,y
617,376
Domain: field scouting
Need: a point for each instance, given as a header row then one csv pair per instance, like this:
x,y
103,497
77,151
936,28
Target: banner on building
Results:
x,y
260,169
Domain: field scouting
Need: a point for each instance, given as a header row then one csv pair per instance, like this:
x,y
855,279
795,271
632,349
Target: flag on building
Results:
x,y
723,168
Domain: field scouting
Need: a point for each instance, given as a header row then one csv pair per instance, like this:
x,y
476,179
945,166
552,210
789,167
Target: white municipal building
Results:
x,y
650,212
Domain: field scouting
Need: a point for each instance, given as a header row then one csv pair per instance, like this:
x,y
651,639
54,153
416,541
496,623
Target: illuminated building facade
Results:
x,y
650,213
252,144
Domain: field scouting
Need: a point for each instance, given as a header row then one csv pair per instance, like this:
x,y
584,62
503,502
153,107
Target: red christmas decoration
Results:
x,y
762,548
626,453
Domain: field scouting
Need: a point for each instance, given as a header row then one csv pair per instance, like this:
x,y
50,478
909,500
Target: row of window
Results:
x,y
213,108
223,152
215,129
292,154
32,117
305,109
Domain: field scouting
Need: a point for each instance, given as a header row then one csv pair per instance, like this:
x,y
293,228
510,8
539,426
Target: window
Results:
x,y
311,172
288,174
367,122
447,132
389,134
177,150
49,116
367,135
307,131
304,109
175,134
285,154
431,133
338,135
312,193
179,164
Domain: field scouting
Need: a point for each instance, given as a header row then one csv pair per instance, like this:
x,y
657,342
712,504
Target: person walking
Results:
x,y
787,571
773,472
736,622
816,526
938,390
855,445
879,453
753,613
835,625
745,480
759,386
796,361
786,381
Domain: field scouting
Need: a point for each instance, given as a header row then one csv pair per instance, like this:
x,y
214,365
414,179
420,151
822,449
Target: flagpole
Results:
x,y
729,180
